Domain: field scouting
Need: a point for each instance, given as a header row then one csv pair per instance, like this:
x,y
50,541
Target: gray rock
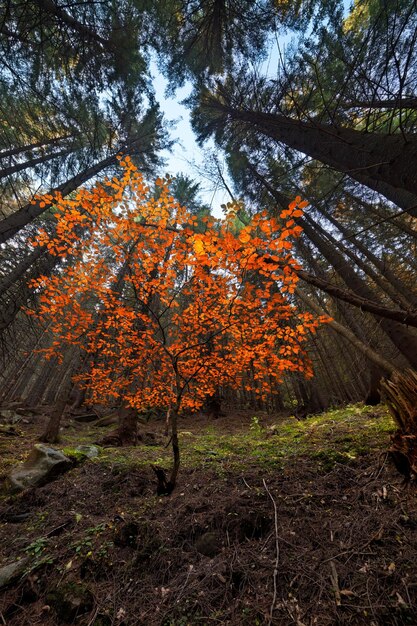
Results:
x,y
10,572
9,416
42,465
86,451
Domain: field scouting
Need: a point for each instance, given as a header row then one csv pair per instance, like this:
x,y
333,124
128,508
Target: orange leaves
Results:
x,y
166,312
245,236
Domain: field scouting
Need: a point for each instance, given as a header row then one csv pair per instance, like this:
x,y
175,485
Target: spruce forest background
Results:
x,y
166,352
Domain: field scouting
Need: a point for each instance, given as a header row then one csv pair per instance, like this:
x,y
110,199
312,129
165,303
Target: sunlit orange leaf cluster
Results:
x,y
167,311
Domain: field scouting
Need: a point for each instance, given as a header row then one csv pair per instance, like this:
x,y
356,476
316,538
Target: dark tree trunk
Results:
x,y
366,350
14,302
401,396
165,486
51,433
407,297
21,268
373,397
32,146
127,431
384,215
15,222
380,281
13,169
385,163
404,340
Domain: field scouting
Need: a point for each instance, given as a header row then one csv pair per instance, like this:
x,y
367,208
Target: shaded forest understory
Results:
x,y
131,313
314,499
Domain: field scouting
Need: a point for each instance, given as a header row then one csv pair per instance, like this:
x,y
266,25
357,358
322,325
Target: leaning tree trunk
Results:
x,y
401,396
16,221
31,163
403,340
385,163
32,146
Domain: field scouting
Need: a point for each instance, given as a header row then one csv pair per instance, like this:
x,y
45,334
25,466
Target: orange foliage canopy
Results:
x,y
165,310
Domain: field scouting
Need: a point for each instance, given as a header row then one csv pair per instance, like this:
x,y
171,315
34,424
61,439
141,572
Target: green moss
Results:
x,y
338,436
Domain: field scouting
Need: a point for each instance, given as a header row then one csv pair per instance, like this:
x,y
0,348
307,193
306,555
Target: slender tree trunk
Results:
x,y
175,450
15,222
32,146
51,433
349,296
18,272
15,301
408,298
385,215
373,356
13,169
404,340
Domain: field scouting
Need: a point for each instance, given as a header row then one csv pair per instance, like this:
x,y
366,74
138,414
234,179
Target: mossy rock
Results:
x,y
70,600
81,453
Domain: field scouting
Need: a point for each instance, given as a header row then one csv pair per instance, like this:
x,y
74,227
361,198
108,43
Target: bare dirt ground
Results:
x,y
302,523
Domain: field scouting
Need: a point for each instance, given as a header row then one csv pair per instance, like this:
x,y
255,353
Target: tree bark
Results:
x,y
401,396
32,146
127,431
51,433
15,222
18,272
359,293
13,169
398,291
385,163
373,356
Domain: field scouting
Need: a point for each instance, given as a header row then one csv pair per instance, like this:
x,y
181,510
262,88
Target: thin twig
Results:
x,y
274,598
335,582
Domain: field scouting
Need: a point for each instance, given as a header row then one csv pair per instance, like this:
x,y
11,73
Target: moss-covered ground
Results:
x,y
273,521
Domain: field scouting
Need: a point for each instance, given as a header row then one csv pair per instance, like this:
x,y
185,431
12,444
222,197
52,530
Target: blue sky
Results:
x,y
186,156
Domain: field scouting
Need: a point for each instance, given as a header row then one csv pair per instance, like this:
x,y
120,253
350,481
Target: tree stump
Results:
x,y
400,393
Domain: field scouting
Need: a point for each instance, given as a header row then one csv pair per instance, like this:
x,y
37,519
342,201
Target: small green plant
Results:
x,y
86,544
255,426
37,547
104,549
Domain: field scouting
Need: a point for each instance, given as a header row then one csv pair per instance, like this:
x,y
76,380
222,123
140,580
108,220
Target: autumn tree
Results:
x,y
168,312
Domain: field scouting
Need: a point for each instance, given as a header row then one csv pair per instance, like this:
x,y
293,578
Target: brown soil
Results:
x,y
277,546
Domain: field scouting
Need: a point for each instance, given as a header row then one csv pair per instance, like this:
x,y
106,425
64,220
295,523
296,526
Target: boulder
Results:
x,y
81,453
42,465
10,572
88,451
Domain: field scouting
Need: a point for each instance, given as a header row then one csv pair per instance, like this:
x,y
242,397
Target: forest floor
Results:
x,y
273,521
